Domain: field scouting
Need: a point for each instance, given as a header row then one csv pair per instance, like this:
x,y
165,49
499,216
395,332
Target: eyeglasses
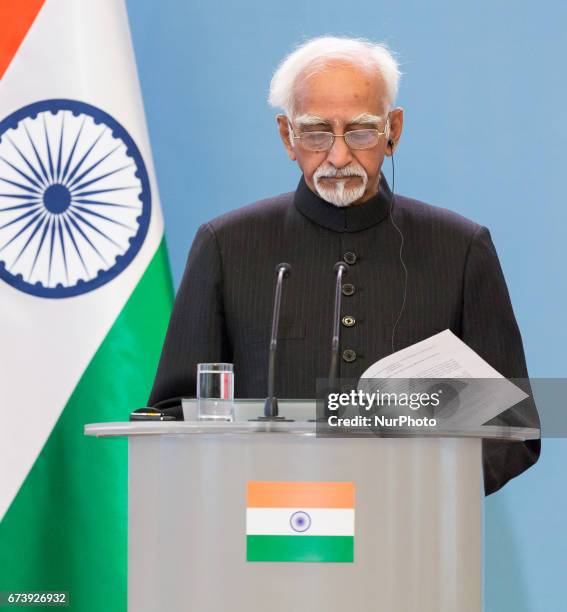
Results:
x,y
355,139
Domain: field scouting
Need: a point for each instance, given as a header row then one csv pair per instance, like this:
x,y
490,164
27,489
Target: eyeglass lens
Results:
x,y
355,139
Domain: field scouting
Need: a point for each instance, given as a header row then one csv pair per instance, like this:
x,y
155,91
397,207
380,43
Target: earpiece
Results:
x,y
401,252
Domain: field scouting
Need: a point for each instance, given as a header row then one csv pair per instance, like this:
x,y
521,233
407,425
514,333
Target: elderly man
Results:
x,y
414,269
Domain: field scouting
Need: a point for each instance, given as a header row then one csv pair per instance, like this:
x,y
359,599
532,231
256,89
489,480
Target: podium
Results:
x,y
418,515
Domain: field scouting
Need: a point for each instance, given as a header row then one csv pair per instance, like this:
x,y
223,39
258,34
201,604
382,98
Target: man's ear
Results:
x,y
283,127
395,132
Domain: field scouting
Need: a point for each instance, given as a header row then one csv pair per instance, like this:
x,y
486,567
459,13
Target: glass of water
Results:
x,y
215,391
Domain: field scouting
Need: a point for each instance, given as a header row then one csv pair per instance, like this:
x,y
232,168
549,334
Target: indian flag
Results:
x,y
85,293
300,521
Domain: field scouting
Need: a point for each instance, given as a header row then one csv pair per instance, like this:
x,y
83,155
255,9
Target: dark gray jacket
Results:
x,y
224,304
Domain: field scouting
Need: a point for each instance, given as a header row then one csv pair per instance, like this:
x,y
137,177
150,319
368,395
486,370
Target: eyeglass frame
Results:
x,y
339,136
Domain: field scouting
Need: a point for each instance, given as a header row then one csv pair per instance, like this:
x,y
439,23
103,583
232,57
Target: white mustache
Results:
x,y
338,194
332,172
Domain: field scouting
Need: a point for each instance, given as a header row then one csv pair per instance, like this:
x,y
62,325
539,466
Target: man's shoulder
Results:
x,y
266,210
424,216
412,213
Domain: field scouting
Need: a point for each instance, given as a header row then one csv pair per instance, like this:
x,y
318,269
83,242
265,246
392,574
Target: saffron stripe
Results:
x,y
268,494
309,549
16,19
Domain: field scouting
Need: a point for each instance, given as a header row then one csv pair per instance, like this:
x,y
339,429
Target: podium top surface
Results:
x,y
301,412
296,428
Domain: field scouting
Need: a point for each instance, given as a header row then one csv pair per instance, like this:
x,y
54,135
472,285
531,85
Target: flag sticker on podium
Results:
x,y
300,521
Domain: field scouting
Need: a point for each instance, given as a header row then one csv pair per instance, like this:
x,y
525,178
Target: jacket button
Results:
x,y
348,289
348,321
349,355
350,258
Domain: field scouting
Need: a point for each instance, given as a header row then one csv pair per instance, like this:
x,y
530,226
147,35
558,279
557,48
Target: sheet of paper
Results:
x,y
478,391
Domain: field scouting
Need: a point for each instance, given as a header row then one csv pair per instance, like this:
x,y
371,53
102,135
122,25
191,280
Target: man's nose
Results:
x,y
339,154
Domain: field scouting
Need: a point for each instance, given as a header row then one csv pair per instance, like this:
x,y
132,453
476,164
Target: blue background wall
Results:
x,y
484,91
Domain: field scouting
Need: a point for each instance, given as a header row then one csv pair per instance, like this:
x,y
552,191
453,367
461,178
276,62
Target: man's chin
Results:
x,y
339,196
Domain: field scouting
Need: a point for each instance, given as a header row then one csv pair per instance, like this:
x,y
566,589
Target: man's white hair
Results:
x,y
316,53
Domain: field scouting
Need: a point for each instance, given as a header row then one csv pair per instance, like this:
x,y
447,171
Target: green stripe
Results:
x,y
67,527
317,549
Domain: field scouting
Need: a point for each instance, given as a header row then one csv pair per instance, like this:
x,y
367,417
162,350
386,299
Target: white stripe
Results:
x,y
277,521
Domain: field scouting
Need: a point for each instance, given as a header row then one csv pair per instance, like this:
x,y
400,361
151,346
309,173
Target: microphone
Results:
x,y
341,269
271,405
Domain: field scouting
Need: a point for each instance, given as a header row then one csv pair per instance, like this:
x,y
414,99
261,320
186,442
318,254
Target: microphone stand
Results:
x,y
271,403
341,269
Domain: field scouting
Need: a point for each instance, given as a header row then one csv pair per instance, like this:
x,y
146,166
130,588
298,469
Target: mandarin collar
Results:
x,y
343,219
